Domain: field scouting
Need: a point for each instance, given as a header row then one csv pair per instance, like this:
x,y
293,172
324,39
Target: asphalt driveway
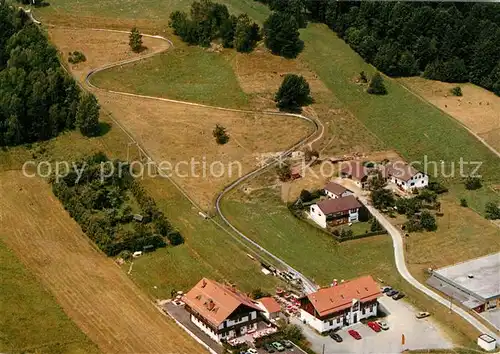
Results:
x,y
419,334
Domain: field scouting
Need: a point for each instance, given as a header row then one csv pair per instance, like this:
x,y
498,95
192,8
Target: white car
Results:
x,y
252,351
383,325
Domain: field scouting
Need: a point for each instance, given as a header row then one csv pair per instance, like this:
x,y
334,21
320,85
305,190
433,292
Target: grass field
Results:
x,y
184,72
30,318
142,9
400,119
91,289
478,109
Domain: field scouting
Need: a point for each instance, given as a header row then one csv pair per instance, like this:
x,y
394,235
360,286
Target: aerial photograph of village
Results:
x,y
249,176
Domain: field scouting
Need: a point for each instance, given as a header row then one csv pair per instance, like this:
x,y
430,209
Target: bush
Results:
x,y
220,134
383,198
377,86
472,183
463,203
437,187
492,211
375,226
175,238
456,91
305,196
362,77
428,221
258,294
293,332
76,57
284,172
293,93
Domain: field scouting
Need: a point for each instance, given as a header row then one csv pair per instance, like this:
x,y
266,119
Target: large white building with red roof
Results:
x,y
221,311
340,305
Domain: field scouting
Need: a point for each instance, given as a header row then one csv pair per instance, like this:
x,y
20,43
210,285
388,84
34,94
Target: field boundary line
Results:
x,y
484,142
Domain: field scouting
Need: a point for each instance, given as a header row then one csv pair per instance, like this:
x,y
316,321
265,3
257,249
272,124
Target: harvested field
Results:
x,y
104,48
91,289
478,109
179,133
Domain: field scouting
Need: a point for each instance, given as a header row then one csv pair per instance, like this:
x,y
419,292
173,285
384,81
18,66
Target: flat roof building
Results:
x,y
474,283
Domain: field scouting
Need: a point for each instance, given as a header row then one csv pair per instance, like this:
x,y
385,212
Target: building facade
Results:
x,y
335,211
221,311
334,190
340,305
405,176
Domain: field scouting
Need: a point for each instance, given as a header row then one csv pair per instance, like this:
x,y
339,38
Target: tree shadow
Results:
x,y
104,128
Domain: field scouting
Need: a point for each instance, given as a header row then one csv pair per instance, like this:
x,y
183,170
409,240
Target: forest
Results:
x,y
115,212
38,100
446,41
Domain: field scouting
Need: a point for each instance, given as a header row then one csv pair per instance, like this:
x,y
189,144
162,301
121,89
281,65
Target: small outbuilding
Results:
x,y
270,306
486,342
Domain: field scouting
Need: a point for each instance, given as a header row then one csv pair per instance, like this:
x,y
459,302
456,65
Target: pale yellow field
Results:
x,y
94,292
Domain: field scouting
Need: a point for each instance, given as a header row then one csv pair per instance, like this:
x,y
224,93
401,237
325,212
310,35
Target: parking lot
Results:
x,y
294,350
418,333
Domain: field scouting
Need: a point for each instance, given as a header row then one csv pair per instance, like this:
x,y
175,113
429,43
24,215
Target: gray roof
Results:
x,y
480,276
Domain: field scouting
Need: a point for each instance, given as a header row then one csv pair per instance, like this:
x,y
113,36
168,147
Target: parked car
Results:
x,y
383,325
391,292
374,326
287,343
335,336
252,351
398,296
385,289
422,314
354,334
278,346
269,348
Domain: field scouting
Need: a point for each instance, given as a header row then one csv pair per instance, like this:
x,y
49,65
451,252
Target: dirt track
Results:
x,y
95,293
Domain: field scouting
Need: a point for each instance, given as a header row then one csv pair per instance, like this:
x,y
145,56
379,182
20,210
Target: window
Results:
x,y
331,322
412,183
338,319
363,311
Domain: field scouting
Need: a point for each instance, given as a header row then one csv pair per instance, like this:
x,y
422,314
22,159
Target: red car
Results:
x,y
354,334
374,326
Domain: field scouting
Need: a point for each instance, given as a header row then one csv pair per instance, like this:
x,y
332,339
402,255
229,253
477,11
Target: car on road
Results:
x,y
374,326
269,348
385,289
278,346
287,343
383,325
252,351
391,292
335,336
398,296
422,314
354,334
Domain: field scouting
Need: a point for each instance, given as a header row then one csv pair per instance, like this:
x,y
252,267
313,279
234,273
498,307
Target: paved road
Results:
x,y
399,256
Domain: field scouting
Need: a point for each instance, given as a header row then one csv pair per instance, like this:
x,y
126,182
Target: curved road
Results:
x,y
308,284
399,256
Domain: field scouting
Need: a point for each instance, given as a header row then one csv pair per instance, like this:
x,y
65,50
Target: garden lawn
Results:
x,y
400,119
186,73
30,318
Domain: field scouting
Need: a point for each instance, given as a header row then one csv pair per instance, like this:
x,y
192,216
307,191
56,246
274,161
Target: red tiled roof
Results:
x,y
330,206
215,302
335,188
270,304
339,297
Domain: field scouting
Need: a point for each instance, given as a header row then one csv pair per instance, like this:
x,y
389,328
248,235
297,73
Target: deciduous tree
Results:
x,y
293,93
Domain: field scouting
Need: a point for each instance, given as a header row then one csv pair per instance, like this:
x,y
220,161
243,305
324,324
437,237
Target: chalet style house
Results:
x,y
335,211
221,311
334,190
405,176
340,305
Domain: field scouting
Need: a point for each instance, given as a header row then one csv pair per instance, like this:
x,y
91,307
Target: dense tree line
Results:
x,y
37,98
453,42
209,21
103,207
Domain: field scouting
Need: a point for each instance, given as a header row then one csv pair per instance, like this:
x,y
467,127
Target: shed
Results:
x,y
270,306
138,217
486,342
